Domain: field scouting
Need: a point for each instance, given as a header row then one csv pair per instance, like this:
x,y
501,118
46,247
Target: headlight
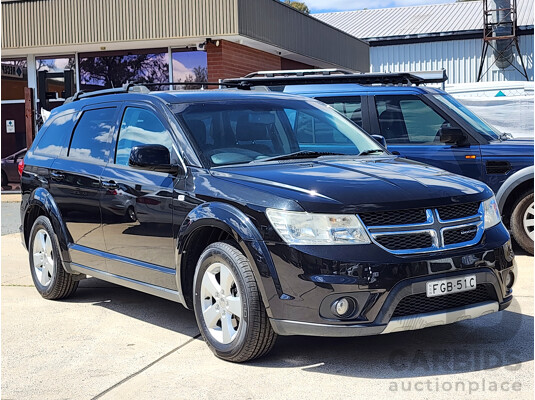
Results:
x,y
491,212
302,228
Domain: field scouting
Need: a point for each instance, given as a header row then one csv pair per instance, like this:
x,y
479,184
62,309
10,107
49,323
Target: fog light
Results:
x,y
344,307
509,280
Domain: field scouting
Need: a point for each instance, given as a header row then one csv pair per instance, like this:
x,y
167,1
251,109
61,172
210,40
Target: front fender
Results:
x,y
41,198
512,183
240,227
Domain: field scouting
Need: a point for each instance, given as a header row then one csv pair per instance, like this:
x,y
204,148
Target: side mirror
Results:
x,y
381,139
153,157
452,135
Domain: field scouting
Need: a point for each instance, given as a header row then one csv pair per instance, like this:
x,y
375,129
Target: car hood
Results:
x,y
357,184
509,148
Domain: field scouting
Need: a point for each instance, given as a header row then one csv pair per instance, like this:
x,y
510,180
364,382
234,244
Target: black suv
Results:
x,y
207,198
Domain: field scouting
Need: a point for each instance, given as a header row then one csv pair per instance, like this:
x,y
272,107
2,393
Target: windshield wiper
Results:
x,y
367,152
298,155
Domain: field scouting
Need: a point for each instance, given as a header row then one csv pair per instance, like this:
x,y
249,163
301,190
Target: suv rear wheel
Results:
x,y
228,307
522,221
49,277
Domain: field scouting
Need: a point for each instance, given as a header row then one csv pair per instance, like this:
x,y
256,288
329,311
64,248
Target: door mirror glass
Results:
x,y
452,135
152,157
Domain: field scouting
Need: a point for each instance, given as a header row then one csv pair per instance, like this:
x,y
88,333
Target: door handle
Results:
x,y
109,185
57,176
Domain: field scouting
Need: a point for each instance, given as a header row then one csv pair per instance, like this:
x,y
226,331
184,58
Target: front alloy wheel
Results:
x,y
229,310
523,222
221,303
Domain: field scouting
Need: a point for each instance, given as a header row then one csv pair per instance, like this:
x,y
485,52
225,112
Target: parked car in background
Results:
x,y
237,217
423,124
10,165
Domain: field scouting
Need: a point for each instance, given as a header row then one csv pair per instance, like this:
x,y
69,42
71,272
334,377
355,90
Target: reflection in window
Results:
x,y
14,79
137,128
92,137
52,139
190,66
98,71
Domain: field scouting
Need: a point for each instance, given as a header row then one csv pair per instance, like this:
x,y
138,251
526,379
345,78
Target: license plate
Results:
x,y
448,286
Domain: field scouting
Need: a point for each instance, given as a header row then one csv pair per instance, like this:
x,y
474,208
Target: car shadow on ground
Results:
x,y
132,303
500,340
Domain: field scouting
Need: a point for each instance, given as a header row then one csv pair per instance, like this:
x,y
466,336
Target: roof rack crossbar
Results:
x,y
300,72
395,78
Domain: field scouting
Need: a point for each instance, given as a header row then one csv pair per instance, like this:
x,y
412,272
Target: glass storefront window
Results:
x,y
55,78
14,79
113,69
190,66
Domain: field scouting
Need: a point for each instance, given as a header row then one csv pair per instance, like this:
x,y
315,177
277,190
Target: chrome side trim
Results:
x,y
165,293
428,320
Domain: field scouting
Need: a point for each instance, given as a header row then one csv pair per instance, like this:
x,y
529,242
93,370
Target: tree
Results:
x,y
298,5
114,71
200,74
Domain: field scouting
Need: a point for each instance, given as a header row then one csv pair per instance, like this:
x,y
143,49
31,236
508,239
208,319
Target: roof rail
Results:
x,y
300,72
140,87
394,78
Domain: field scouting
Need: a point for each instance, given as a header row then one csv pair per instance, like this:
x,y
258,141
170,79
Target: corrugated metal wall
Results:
x,y
60,22
460,58
267,21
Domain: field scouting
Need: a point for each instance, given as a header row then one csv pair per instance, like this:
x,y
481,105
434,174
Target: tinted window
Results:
x,y
92,136
408,120
53,137
350,107
140,127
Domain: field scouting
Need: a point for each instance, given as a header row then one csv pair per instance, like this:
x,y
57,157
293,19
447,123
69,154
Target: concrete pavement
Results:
x,y
114,343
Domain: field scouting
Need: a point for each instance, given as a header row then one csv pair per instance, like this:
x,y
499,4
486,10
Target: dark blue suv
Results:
x,y
427,125
215,200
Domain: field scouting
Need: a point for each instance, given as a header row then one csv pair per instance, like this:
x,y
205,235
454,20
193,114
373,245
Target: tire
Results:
x,y
49,277
5,181
248,334
522,221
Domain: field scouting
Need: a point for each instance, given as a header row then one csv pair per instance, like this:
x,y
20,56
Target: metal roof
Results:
x,y
437,19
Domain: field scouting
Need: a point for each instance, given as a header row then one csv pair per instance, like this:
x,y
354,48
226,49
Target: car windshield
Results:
x,y
260,130
476,122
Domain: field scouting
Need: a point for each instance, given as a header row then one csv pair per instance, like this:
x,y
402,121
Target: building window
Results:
x,y
190,66
14,79
113,69
58,77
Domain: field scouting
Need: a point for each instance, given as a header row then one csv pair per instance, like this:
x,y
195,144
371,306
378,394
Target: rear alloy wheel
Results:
x,y
49,277
228,308
523,222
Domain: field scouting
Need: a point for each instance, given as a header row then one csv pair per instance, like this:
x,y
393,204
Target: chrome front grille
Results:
x,y
442,228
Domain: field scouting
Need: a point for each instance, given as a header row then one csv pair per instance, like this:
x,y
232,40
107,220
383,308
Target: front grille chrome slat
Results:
x,y
443,228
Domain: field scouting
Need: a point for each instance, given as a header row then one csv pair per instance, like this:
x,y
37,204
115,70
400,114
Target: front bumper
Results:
x,y
310,281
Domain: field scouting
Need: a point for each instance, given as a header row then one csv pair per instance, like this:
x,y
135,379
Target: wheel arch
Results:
x,y
213,222
518,183
42,203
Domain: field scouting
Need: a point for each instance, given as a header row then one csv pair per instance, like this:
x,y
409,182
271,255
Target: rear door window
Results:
x,y
92,136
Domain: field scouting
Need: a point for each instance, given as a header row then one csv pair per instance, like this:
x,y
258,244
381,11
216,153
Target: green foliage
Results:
x,y
298,5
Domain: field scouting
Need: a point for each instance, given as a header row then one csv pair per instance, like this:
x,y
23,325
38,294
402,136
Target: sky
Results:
x,y
318,6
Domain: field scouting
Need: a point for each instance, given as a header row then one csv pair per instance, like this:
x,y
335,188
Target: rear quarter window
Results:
x,y
53,137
